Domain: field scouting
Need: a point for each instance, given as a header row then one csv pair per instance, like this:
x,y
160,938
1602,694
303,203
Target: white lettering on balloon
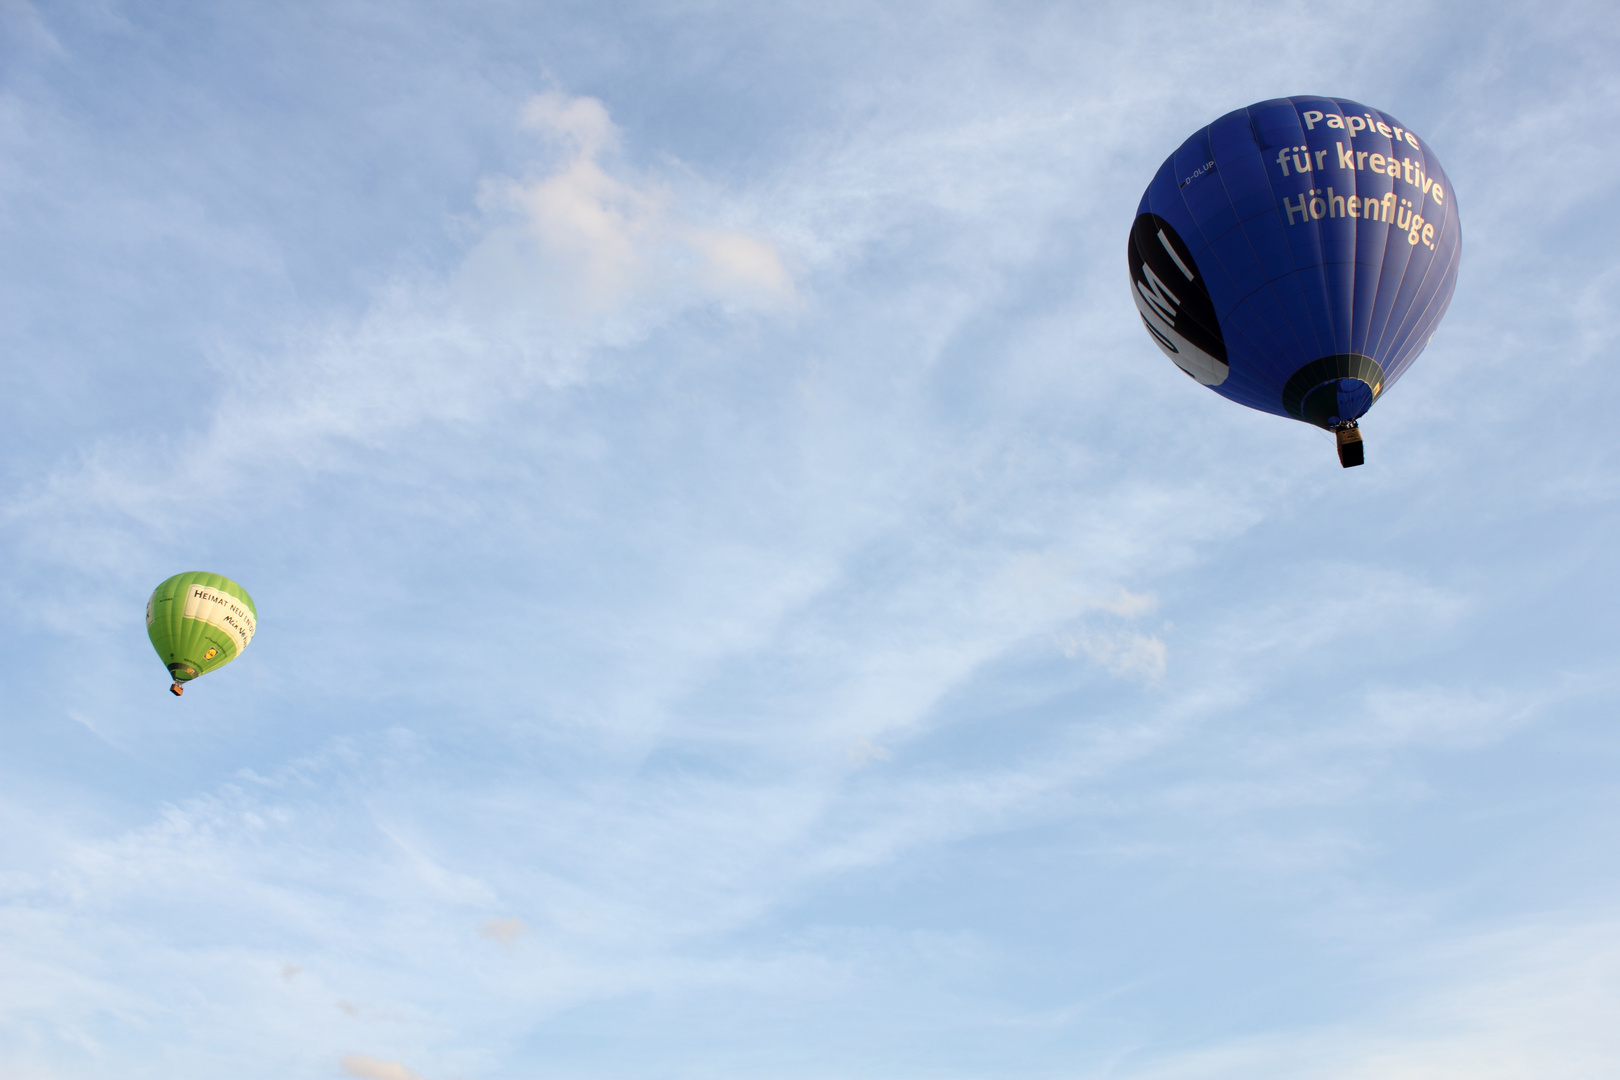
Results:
x,y
1404,214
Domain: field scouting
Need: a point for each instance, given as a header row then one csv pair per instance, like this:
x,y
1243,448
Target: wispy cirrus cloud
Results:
x,y
790,608
577,259
1526,1002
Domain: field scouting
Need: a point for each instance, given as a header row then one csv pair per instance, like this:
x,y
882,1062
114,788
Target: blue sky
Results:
x,y
741,595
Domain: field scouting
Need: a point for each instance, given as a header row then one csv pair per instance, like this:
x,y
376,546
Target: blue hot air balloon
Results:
x,y
1296,256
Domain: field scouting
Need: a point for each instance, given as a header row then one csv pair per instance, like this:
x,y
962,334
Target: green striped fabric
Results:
x,y
198,622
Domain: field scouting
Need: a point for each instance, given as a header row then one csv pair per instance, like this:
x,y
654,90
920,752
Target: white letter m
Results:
x,y
1163,300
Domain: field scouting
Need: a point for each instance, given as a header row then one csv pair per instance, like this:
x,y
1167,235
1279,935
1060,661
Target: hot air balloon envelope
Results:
x,y
198,622
1295,256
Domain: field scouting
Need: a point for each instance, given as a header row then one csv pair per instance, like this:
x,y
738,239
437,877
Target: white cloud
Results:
x,y
1126,603
1129,653
735,260
582,122
370,1068
503,930
865,752
581,239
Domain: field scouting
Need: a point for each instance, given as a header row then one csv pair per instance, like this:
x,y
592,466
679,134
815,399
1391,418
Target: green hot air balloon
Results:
x,y
199,622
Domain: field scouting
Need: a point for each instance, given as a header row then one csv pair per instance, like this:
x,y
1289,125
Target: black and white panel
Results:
x,y
1174,301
